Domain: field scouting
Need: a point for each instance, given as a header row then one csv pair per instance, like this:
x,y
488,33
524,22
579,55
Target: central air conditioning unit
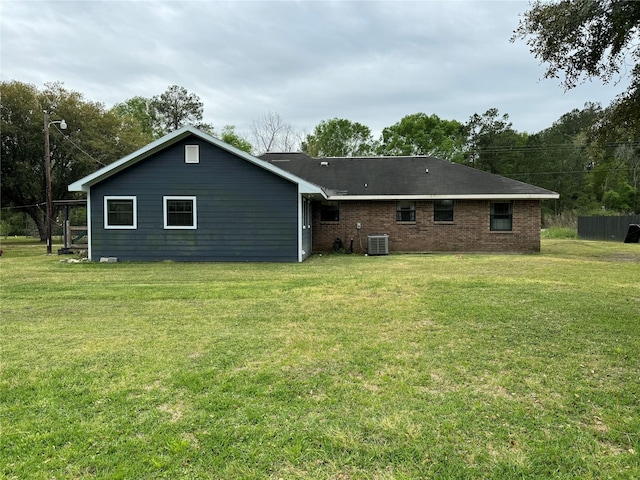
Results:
x,y
378,244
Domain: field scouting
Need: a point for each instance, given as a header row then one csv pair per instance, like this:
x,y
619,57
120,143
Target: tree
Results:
x,y
585,39
615,166
94,137
175,108
142,111
338,138
582,38
12,223
492,144
561,156
422,134
272,134
230,136
22,164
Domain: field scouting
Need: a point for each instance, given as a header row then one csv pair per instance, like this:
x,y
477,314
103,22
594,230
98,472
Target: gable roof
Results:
x,y
403,178
84,184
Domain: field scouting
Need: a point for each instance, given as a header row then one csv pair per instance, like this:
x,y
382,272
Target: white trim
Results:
x,y
306,213
179,227
300,225
84,184
302,215
107,226
89,218
192,154
481,196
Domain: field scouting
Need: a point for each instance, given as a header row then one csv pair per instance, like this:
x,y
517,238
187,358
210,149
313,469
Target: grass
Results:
x,y
559,232
342,367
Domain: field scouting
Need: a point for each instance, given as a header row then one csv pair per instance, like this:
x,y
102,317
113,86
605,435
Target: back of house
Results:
x,y
191,197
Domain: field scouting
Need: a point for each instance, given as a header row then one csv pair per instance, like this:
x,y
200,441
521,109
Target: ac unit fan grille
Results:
x,y
378,245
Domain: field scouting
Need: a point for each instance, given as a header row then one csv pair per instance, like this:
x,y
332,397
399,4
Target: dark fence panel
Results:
x,y
605,228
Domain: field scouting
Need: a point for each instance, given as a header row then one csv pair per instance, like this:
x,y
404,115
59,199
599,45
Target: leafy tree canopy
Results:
x,y
582,38
492,144
164,113
175,108
422,134
338,138
139,109
94,137
230,136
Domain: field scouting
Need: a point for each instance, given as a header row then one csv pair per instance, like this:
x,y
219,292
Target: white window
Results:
x,y
120,212
192,154
180,213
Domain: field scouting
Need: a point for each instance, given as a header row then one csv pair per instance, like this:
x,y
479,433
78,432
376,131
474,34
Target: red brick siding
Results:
x,y
469,231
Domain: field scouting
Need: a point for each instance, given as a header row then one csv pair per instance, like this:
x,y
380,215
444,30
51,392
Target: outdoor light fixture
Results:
x,y
47,170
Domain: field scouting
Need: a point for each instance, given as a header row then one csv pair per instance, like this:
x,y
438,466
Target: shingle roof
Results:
x,y
397,177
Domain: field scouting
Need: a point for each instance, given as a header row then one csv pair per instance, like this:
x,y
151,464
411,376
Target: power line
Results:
x,y
67,137
17,207
585,171
546,173
544,147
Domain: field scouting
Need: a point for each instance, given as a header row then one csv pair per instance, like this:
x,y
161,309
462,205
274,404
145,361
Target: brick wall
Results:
x,y
469,231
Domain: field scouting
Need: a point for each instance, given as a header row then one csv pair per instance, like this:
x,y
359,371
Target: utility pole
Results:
x,y
47,172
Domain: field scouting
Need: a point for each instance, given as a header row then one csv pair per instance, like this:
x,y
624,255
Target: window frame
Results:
x,y
165,210
494,217
192,154
404,207
324,209
134,203
438,209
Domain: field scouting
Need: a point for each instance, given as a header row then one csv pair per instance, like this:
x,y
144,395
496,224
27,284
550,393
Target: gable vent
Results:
x,y
378,244
192,154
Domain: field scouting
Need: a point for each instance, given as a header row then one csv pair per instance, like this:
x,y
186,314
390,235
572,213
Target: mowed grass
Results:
x,y
342,367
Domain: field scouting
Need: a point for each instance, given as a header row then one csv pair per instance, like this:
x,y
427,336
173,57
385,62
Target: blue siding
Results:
x,y
244,212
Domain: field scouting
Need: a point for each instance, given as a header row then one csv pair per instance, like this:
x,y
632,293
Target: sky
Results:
x,y
371,62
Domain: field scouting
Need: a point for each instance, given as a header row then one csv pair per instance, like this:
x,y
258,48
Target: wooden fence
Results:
x,y
75,237
606,228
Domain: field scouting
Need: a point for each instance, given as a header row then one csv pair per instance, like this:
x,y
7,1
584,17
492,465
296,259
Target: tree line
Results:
x,y
591,156
591,165
589,159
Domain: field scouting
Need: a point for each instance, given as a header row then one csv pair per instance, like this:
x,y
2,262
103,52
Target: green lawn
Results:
x,y
342,367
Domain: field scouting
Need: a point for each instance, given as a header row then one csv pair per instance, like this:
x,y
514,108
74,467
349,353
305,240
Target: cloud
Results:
x,y
371,62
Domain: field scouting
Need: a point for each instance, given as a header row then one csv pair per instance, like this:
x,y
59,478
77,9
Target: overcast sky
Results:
x,y
308,61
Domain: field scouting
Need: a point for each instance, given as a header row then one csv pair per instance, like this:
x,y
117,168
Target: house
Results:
x,y
191,197
423,204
